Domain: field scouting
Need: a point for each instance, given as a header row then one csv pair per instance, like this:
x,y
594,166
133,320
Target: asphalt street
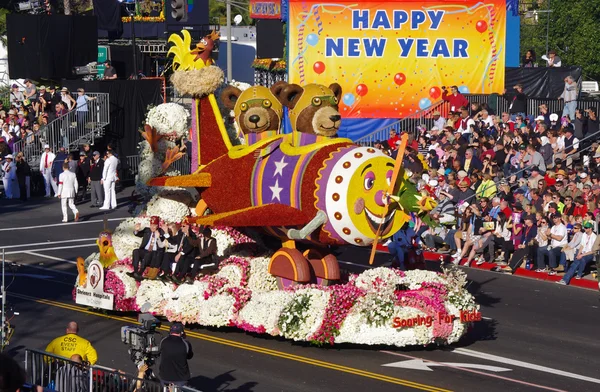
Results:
x,y
535,335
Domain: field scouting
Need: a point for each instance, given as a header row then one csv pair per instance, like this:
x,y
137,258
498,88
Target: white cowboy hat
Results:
x,y
9,156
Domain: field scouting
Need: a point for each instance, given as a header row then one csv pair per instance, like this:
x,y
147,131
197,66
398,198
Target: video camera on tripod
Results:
x,y
141,339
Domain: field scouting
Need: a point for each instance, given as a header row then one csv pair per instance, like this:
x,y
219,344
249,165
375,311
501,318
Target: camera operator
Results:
x,y
175,352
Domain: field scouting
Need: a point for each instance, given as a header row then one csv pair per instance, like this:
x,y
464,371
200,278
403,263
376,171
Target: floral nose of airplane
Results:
x,y
380,198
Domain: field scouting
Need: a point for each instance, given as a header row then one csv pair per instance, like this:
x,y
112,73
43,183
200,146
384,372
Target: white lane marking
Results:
x,y
39,268
50,257
429,362
47,243
55,248
419,364
527,365
59,224
31,276
358,265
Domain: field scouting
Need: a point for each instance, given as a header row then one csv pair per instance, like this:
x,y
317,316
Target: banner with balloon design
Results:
x,y
392,58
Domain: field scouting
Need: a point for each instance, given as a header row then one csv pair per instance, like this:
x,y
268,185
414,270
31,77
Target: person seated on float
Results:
x,y
401,245
207,254
181,250
151,249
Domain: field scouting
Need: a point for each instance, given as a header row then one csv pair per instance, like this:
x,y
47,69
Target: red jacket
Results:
x,y
456,101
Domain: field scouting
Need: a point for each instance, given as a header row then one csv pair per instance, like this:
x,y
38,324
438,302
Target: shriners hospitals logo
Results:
x,y
95,275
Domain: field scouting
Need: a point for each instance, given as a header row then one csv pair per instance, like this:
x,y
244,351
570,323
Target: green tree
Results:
x,y
217,11
3,13
572,33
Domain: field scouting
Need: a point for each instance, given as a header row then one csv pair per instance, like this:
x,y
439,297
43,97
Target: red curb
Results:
x,y
584,283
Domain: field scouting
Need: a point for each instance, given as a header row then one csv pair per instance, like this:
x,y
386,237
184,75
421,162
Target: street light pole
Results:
x,y
547,29
229,60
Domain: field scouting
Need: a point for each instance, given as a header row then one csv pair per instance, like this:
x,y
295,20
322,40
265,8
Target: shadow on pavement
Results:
x,y
220,383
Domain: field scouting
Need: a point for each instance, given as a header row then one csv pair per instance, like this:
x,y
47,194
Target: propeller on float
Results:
x,y
390,191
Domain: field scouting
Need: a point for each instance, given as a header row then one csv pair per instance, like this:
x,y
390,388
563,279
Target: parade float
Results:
x,y
310,190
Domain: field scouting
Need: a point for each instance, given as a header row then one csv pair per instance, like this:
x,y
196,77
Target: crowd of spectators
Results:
x,y
511,189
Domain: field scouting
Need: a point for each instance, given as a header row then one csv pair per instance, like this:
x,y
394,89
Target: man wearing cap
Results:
x,y
16,96
584,256
67,191
559,237
9,178
181,250
151,249
96,169
175,351
83,173
569,95
109,71
46,169
438,121
45,100
109,178
571,145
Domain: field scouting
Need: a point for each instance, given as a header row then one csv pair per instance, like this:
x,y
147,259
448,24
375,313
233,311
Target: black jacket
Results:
x,y
518,101
96,170
23,169
83,171
145,234
186,247
175,351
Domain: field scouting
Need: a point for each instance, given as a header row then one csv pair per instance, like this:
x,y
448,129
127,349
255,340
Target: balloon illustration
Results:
x,y
399,78
435,92
463,90
362,90
424,103
481,26
319,67
349,99
312,39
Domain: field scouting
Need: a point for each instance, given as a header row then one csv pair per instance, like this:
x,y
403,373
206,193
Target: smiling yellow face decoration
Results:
x,y
356,197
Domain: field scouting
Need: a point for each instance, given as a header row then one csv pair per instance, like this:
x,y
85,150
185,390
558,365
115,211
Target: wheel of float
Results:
x,y
290,267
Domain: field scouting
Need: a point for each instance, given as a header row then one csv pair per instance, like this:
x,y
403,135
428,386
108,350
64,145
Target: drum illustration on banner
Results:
x,y
401,52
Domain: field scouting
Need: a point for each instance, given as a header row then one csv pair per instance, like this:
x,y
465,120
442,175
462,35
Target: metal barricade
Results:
x,y
79,126
183,166
62,375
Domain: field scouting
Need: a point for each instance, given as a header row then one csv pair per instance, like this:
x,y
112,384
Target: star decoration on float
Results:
x,y
276,191
280,165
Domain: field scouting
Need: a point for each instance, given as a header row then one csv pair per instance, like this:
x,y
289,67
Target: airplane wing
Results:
x,y
266,215
200,180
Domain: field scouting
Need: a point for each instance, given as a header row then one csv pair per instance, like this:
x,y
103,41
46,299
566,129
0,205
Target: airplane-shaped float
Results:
x,y
313,196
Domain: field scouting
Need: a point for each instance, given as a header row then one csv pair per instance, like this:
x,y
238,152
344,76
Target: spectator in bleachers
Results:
x,y
569,96
439,122
529,60
518,99
16,96
455,99
552,60
66,98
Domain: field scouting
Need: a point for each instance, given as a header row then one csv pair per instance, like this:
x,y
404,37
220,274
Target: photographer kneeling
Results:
x,y
175,352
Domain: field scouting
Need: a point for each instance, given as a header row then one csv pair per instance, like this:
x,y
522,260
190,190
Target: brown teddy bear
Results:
x,y
258,110
313,109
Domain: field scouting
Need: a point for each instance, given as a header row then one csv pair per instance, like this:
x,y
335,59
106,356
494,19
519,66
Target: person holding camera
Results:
x,y
518,101
455,98
175,352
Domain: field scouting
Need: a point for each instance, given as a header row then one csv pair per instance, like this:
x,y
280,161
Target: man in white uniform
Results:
x,y
109,177
9,178
67,190
46,169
